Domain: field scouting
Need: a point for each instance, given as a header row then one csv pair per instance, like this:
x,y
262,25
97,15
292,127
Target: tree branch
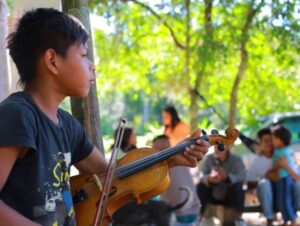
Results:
x,y
244,60
178,44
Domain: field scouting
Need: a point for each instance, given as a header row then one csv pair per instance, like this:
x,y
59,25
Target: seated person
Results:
x,y
261,177
175,195
222,182
128,142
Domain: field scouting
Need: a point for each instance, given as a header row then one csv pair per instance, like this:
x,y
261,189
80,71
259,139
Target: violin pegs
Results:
x,y
204,133
214,131
221,147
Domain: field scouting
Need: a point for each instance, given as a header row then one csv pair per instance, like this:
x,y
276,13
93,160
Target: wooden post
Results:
x,y
86,110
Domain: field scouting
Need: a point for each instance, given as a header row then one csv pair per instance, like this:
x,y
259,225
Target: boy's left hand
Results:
x,y
191,155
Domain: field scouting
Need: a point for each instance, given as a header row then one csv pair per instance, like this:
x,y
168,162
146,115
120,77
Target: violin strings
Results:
x,y
140,164
151,160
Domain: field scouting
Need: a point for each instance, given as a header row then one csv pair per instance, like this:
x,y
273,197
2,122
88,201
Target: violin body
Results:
x,y
138,187
145,174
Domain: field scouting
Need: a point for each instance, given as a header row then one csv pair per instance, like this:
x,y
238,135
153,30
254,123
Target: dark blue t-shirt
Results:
x,y
38,185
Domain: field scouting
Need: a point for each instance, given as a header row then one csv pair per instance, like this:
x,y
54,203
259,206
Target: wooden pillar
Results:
x,y
86,110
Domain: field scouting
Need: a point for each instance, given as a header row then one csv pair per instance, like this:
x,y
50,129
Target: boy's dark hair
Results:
x,y
283,134
39,30
263,132
160,137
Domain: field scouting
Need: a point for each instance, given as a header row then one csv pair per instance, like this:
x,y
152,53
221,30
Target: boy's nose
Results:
x,y
93,70
92,67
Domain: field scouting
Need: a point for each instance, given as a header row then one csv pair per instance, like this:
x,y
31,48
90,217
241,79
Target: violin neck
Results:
x,y
144,163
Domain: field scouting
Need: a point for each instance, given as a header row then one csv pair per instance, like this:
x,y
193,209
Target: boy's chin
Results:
x,y
78,95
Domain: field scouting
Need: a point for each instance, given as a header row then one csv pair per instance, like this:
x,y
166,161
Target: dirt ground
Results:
x,y
251,219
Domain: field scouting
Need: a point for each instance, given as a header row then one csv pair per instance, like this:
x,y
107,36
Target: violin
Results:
x,y
140,175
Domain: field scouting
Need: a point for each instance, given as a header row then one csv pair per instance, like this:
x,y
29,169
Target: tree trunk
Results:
x,y
86,109
187,54
234,91
243,64
194,108
4,71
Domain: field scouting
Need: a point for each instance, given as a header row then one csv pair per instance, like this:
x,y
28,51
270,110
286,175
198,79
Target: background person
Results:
x,y
128,142
257,174
174,127
222,183
281,138
260,176
179,177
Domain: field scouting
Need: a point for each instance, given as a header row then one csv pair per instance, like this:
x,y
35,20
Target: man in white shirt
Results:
x,y
260,175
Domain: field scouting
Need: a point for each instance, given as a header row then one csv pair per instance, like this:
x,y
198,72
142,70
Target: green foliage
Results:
x,y
141,70
10,3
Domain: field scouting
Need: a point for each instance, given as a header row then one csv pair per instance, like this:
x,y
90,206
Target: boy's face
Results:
x,y
76,72
266,144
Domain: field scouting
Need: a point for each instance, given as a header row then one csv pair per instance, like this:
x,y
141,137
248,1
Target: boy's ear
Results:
x,y
52,60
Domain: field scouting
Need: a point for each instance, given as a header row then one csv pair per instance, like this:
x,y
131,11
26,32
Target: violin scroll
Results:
x,y
215,138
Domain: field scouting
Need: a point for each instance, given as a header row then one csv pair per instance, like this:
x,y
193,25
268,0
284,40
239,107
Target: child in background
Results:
x,y
281,138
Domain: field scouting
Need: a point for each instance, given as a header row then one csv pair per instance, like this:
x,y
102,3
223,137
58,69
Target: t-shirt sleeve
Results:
x,y
81,144
17,127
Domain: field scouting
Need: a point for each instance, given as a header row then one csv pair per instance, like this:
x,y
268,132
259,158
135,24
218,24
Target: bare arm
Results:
x,y
283,163
8,216
94,163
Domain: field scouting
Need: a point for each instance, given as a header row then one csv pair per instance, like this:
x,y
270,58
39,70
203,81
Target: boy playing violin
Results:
x,y
38,140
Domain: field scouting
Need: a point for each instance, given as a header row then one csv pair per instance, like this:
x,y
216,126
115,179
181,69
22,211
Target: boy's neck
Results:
x,y
46,102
